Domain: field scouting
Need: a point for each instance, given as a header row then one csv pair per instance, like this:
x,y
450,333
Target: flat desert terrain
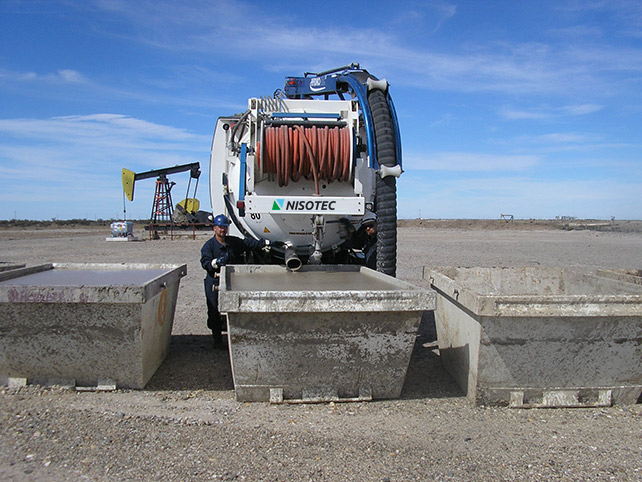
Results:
x,y
186,424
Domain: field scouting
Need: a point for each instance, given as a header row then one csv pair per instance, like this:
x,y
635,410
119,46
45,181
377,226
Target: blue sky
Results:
x,y
530,108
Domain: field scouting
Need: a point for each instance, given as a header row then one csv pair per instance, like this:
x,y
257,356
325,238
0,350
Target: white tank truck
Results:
x,y
288,169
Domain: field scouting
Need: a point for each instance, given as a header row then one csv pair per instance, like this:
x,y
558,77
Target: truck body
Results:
x,y
300,168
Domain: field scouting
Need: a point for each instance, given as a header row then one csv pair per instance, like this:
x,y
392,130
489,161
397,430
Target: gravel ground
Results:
x,y
186,424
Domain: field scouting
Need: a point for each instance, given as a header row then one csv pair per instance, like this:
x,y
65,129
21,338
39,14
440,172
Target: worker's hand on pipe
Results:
x,y
277,244
217,263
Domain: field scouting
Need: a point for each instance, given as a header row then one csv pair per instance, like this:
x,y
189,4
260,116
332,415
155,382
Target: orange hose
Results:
x,y
313,161
291,152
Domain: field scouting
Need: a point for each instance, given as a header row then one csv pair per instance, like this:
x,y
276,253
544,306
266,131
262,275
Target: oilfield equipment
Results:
x,y
162,206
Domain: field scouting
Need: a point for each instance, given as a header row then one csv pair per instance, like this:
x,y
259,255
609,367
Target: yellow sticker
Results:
x,y
266,230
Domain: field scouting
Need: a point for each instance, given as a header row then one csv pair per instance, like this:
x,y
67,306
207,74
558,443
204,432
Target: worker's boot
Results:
x,y
217,341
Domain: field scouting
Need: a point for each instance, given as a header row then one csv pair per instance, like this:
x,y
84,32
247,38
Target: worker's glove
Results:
x,y
346,229
217,263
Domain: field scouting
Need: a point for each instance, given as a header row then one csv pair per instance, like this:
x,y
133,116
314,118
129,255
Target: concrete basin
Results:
x,y
536,336
85,324
322,333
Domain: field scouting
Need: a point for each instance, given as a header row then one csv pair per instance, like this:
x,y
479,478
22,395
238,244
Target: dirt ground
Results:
x,y
186,424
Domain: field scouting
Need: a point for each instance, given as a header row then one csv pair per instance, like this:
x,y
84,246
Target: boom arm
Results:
x,y
130,177
356,81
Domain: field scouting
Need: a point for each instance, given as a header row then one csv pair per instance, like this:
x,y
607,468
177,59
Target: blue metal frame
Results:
x,y
324,84
361,92
243,174
298,87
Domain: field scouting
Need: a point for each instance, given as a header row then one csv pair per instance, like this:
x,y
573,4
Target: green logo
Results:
x,y
277,205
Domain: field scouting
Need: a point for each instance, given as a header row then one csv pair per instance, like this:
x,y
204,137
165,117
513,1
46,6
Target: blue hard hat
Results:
x,y
369,218
221,220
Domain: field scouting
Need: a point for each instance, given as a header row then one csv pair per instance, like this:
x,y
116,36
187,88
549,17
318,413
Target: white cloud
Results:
x,y
444,120
188,47
46,162
521,197
71,76
428,16
560,138
468,162
548,112
576,31
623,15
279,37
52,85
61,76
559,142
581,109
515,114
102,129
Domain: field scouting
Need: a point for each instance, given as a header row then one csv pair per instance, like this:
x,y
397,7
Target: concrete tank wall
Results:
x,y
5,266
628,275
87,323
539,336
321,333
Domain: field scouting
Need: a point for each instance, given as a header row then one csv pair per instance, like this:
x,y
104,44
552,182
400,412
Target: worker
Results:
x,y
365,238
369,247
218,251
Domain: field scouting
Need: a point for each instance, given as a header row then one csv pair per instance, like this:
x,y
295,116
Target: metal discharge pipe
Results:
x,y
292,261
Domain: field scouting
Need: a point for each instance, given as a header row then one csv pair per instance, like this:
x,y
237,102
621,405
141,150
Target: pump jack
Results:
x,y
162,207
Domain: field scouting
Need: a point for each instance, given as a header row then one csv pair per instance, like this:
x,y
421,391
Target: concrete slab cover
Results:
x,y
539,331
87,322
337,332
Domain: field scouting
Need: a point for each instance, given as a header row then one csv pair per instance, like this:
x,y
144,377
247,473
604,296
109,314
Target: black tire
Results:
x,y
386,195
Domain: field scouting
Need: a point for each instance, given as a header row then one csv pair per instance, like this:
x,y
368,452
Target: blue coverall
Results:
x,y
229,253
